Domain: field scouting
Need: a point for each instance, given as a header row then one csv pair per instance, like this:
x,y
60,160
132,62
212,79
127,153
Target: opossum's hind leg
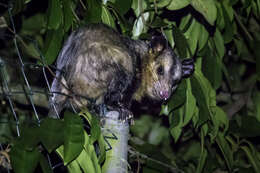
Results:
x,y
117,91
59,97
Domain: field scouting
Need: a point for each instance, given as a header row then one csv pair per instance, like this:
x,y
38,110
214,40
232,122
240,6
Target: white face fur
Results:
x,y
167,72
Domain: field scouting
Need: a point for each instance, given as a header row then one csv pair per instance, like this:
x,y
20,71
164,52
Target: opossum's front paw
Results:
x,y
125,114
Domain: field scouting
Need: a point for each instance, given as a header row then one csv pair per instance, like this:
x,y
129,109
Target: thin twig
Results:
x,y
242,26
173,169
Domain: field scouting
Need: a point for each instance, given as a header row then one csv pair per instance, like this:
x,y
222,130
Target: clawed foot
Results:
x,y
125,115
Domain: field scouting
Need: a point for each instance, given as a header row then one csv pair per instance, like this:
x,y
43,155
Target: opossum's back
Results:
x,y
92,58
87,38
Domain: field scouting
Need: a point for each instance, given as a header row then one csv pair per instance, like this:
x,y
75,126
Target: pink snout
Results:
x,y
164,95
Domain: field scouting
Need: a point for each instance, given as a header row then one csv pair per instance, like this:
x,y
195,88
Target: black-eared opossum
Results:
x,y
99,68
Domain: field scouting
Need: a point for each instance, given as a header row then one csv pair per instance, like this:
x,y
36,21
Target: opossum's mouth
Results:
x,y
164,95
161,95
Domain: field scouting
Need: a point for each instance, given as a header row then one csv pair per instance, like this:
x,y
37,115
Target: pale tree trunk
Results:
x,y
116,133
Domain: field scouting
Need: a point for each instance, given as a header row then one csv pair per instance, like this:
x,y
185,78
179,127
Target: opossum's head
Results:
x,y
164,70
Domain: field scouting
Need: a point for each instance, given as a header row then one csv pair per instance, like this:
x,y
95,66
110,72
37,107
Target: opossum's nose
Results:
x,y
164,95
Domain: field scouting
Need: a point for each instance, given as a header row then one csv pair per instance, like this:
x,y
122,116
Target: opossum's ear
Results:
x,y
187,67
157,44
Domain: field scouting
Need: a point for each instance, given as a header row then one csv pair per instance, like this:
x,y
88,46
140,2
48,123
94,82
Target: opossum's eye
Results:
x,y
160,70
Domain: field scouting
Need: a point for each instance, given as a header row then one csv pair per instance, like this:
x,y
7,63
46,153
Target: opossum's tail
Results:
x,y
59,96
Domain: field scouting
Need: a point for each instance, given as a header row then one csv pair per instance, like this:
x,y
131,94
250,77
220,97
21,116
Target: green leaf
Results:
x,y
54,14
18,6
179,97
46,168
123,6
74,137
157,134
219,44
139,7
190,104
252,159
85,162
256,99
169,36
34,23
92,153
212,66
202,160
74,167
220,121
29,136
138,129
195,117
248,126
192,151
23,160
107,17
50,135
228,34
178,4
220,21
185,22
176,123
228,8
94,124
203,38
207,8
163,3
193,35
87,159
180,42
94,11
256,47
203,93
95,133
225,149
139,25
5,128
53,45
68,14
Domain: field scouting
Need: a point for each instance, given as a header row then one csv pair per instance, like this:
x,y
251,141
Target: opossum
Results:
x,y
102,70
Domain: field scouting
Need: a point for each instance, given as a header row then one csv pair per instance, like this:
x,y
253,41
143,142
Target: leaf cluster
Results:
x,y
211,123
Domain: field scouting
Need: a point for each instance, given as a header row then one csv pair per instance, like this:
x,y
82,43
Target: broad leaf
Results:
x,y
45,166
212,66
207,8
203,93
163,3
190,104
178,98
24,160
247,126
94,11
68,14
107,18
123,6
252,159
54,14
219,44
203,37
74,136
53,45
193,35
180,42
51,133
139,24
178,4
176,123
225,149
